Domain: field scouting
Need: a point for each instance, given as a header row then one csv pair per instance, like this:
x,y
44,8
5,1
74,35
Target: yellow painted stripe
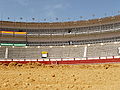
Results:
x,y
20,32
7,32
44,52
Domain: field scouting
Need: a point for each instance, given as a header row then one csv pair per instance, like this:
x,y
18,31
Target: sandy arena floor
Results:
x,y
59,77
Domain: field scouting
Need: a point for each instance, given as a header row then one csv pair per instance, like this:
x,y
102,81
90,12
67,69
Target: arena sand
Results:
x,y
34,76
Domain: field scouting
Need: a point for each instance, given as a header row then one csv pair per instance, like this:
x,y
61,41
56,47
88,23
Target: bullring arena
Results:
x,y
75,55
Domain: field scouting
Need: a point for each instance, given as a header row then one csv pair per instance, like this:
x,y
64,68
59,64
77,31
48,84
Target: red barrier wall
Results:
x,y
71,61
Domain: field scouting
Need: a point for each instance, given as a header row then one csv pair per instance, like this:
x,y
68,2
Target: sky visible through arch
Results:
x,y
57,10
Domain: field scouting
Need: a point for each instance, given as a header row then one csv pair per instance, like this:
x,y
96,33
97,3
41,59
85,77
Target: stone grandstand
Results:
x,y
62,39
72,51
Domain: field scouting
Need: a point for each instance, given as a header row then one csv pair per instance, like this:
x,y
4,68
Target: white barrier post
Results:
x,y
118,50
6,53
85,51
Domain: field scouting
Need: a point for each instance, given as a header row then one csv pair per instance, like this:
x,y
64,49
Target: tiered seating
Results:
x,y
54,52
89,26
62,33
49,40
68,51
103,50
22,53
2,52
17,53
96,50
72,30
71,37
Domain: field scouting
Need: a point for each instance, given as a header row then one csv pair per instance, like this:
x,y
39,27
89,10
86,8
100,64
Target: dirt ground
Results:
x,y
34,76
